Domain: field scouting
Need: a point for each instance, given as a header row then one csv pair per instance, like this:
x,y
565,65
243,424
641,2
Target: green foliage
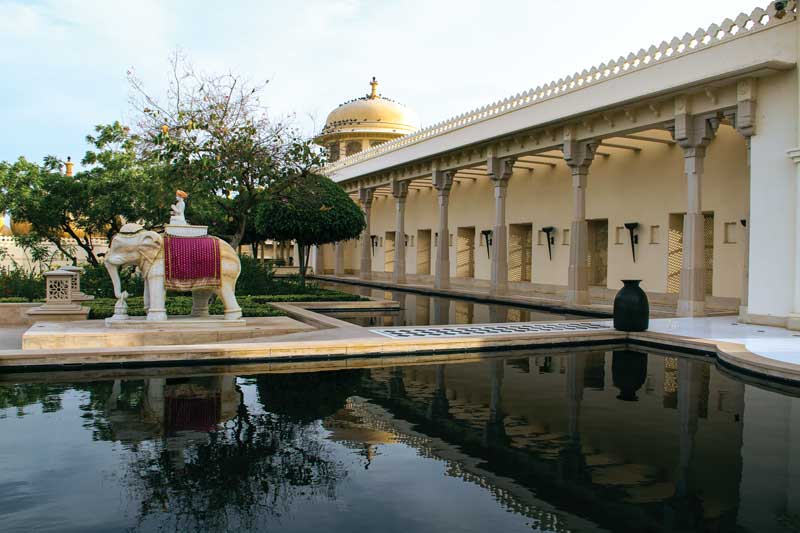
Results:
x,y
13,300
96,281
178,305
310,210
17,283
255,288
220,144
255,277
118,186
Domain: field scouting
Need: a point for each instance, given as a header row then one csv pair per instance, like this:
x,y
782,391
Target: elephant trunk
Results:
x,y
113,272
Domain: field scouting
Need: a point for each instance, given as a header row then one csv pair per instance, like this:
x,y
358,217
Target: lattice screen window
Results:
x,y
674,253
670,398
708,238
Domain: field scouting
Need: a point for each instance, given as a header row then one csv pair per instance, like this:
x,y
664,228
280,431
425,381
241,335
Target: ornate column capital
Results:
x,y
579,154
399,189
442,180
744,119
365,196
499,170
694,131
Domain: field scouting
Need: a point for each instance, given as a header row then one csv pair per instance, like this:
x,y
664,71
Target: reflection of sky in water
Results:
x,y
560,442
55,476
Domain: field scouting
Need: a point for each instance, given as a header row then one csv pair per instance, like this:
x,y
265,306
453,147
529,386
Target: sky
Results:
x,y
64,62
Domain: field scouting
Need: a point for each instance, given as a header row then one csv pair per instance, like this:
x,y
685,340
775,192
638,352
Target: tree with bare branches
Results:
x,y
220,143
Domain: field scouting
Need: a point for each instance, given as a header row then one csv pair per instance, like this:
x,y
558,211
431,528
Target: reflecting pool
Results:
x,y
595,440
424,310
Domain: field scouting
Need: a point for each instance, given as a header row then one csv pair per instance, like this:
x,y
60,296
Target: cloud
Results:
x,y
64,61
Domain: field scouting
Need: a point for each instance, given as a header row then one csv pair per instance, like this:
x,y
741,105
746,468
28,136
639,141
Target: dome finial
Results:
x,y
374,84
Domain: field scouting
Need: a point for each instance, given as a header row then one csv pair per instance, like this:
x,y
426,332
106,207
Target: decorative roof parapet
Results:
x,y
759,19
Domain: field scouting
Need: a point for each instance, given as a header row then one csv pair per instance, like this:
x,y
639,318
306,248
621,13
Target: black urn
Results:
x,y
631,308
628,372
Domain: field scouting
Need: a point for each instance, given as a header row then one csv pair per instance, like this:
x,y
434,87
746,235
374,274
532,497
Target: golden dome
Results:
x,y
20,228
370,114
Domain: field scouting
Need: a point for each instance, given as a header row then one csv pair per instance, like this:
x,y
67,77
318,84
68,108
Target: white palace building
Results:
x,y
676,165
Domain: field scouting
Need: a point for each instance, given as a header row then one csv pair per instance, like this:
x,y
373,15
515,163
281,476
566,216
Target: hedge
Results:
x,y
178,305
255,279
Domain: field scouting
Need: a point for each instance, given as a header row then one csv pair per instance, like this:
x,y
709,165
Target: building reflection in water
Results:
x,y
612,449
629,440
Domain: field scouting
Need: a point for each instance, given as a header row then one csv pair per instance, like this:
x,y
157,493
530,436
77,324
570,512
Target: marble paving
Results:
x,y
778,344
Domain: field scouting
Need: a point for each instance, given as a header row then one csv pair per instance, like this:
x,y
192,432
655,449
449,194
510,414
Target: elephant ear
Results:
x,y
150,245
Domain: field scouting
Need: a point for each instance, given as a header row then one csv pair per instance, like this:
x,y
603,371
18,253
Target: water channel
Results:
x,y
425,310
592,440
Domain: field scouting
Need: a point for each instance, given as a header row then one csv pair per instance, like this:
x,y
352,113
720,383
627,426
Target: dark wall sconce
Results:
x,y
405,241
744,222
374,240
487,238
549,230
631,227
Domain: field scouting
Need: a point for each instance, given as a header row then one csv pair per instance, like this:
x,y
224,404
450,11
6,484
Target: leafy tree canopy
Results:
x,y
118,186
311,210
218,141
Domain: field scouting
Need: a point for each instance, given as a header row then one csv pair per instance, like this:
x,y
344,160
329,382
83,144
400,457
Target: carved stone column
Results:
x,y
366,196
690,398
499,171
338,259
443,182
576,363
693,134
744,121
400,193
495,431
579,156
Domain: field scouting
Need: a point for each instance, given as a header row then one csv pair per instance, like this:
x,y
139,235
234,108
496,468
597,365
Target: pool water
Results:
x,y
600,440
424,310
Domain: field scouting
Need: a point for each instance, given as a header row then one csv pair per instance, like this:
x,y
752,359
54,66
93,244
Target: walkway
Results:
x,y
760,349
765,351
600,306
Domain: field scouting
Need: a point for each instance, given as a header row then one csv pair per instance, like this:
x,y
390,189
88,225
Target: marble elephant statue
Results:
x,y
134,245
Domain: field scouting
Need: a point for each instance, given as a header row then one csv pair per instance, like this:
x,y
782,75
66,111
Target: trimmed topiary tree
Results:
x,y
310,211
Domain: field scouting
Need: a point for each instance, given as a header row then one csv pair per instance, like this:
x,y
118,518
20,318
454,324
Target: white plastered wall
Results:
x,y
642,187
772,198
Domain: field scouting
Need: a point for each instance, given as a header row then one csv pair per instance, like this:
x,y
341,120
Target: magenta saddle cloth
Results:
x,y
191,263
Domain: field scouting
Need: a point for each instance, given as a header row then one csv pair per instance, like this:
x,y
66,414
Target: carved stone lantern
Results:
x,y
77,294
59,305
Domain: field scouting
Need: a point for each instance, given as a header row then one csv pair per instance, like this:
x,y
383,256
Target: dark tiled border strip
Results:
x,y
472,331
